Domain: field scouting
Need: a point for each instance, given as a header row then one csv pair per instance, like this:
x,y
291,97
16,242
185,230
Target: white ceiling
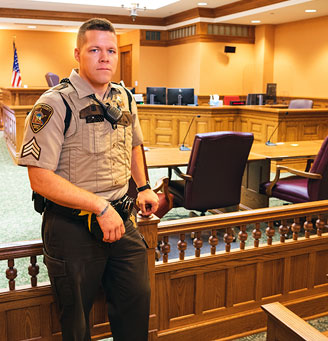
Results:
x,y
286,11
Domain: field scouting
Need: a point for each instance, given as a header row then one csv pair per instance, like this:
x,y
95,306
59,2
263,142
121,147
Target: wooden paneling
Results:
x,y
299,125
29,318
247,275
215,298
299,270
321,268
273,274
182,289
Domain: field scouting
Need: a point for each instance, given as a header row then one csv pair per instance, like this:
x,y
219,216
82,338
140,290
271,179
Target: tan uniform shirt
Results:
x,y
91,154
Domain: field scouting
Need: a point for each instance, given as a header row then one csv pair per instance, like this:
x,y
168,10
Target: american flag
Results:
x,y
16,80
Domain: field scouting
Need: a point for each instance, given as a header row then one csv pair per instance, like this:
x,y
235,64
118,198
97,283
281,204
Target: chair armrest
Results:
x,y
183,176
307,175
303,174
162,184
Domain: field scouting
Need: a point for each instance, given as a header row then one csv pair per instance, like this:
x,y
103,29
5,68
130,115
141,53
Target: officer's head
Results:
x,y
97,53
94,24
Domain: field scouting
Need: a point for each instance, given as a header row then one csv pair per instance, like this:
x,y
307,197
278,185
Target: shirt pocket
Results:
x,y
95,137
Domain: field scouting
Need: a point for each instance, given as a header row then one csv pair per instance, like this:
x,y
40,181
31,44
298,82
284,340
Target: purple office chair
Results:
x,y
214,173
52,79
310,185
300,104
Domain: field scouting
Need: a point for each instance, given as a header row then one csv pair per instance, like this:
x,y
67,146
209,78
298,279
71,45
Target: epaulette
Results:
x,y
60,86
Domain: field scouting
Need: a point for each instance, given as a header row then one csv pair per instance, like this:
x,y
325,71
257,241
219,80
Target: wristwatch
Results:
x,y
143,188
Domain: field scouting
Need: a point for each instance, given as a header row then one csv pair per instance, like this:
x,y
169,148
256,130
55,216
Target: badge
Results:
x,y
117,101
40,116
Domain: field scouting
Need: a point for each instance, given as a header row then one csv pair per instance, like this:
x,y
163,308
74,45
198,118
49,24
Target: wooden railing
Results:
x,y
213,294
229,221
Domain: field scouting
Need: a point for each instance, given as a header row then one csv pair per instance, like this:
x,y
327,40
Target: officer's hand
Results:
x,y
112,225
147,201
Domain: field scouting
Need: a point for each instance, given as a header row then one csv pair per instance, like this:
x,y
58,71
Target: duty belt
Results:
x,y
123,206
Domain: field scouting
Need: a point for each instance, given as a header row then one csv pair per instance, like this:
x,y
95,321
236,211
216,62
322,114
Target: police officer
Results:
x,y
81,145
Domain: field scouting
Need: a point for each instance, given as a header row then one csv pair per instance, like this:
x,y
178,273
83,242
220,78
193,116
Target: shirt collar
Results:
x,y
83,88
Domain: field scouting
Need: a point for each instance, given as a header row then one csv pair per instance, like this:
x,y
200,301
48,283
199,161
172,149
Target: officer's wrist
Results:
x,y
103,211
143,188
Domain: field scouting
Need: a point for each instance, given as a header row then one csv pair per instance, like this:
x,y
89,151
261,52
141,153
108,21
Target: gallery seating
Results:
x,y
302,186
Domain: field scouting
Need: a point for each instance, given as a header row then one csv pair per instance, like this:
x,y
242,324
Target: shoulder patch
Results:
x,y
40,116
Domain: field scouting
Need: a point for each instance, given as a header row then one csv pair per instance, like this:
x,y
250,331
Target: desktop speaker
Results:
x,y
229,49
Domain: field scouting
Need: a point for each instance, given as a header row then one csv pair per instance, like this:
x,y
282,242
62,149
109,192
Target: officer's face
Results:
x,y
98,58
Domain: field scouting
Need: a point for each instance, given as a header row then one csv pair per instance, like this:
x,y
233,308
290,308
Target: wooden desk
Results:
x,y
169,157
257,169
21,96
166,157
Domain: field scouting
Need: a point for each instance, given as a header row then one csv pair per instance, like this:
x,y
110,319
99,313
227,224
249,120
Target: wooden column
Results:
x,y
148,228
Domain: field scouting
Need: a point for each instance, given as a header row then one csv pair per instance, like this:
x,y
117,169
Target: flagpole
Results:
x,y
16,80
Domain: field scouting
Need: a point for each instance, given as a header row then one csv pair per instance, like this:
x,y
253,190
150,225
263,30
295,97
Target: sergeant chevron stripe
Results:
x,y
32,148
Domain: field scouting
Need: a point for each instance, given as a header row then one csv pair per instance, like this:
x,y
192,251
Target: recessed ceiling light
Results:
x,y
31,26
310,10
202,4
256,21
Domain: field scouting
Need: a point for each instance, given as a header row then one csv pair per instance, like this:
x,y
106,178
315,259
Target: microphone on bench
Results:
x,y
269,143
183,147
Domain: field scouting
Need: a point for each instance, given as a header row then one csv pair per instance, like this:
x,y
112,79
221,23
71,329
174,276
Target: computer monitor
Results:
x,y
180,96
271,92
255,99
156,95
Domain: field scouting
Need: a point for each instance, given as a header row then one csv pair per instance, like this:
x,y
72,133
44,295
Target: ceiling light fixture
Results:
x,y
134,8
202,4
31,26
310,10
255,21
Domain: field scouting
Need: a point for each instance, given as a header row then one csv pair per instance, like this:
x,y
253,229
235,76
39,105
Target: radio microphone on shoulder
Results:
x,y
183,147
269,143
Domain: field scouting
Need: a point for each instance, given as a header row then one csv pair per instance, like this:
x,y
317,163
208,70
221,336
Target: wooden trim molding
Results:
x,y
199,33
77,16
242,5
198,12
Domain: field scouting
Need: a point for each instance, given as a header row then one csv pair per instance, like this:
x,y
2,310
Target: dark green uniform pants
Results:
x,y
78,265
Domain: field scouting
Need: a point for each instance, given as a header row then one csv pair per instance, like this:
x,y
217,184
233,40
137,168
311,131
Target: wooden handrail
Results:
x,y
241,218
26,248
284,323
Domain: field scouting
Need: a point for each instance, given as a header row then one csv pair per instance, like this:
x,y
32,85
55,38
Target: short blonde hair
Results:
x,y
94,24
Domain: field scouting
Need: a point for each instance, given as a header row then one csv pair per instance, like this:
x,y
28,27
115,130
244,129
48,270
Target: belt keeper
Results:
x,y
103,211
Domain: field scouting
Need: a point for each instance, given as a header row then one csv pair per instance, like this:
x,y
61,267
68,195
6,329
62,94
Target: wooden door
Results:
x,y
126,64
